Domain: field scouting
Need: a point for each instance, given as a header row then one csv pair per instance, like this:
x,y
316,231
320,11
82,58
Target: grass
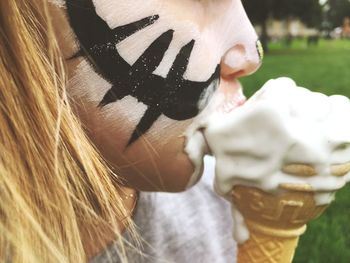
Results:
x,y
326,69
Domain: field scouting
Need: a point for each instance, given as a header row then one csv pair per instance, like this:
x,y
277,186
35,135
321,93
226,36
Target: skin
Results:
x,y
156,161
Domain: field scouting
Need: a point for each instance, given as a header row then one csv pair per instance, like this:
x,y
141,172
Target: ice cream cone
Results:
x,y
275,222
273,138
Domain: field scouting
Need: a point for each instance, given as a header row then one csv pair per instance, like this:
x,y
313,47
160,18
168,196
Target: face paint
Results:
x,y
173,95
142,61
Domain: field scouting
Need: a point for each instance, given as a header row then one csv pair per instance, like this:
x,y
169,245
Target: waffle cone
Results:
x,y
275,222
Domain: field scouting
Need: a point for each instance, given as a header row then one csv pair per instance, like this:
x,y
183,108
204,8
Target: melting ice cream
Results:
x,y
280,126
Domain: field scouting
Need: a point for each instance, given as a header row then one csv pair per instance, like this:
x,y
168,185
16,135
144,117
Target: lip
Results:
x,y
231,95
231,73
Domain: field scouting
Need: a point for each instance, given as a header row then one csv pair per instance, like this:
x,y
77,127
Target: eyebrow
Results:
x,y
173,96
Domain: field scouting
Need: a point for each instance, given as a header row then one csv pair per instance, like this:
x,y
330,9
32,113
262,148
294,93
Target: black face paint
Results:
x,y
172,96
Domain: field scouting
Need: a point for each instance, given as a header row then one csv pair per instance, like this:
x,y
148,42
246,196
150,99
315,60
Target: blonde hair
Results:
x,y
54,186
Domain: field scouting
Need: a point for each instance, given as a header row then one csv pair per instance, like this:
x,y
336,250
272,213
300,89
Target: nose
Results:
x,y
241,60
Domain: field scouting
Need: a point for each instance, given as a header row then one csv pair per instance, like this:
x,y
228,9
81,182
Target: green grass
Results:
x,y
326,69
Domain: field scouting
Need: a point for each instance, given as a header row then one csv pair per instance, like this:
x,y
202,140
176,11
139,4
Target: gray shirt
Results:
x,y
193,226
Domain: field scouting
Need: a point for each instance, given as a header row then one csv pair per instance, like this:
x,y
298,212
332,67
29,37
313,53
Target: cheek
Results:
x,y
156,162
87,88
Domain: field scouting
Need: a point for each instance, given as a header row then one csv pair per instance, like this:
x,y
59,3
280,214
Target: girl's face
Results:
x,y
141,70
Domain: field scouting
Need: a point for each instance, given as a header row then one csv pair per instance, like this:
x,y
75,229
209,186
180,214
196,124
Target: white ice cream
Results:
x,y
281,124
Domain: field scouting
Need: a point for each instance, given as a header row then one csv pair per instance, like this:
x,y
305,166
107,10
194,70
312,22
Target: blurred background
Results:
x,y
309,41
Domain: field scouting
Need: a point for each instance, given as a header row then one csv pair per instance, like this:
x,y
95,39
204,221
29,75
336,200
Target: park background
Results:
x,y
309,41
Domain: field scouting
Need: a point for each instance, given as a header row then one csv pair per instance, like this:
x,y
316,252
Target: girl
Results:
x,y
135,74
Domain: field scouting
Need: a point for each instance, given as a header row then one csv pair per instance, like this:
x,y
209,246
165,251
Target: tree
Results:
x,y
309,11
259,12
337,11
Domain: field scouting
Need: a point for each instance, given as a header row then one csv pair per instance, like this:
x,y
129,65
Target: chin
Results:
x,y
161,168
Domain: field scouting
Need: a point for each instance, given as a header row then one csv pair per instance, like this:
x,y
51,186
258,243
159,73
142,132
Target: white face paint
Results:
x,y
222,36
216,26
